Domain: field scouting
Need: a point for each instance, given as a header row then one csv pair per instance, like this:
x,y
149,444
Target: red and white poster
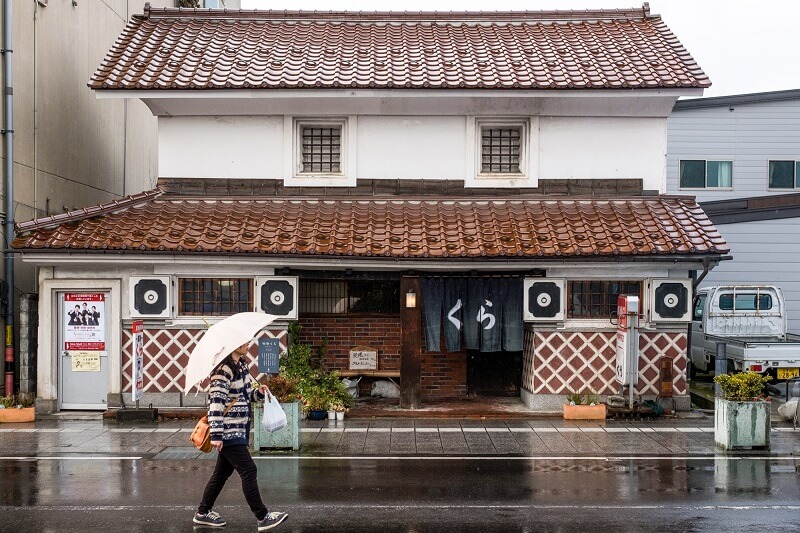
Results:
x,y
85,321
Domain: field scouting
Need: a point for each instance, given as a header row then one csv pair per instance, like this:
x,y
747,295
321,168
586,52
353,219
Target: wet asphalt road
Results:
x,y
410,495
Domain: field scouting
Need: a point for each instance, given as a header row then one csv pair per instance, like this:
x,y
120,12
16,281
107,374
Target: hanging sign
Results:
x,y
137,329
85,321
85,361
269,356
363,358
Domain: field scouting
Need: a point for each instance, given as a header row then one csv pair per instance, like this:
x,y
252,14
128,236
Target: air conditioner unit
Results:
x,y
149,296
277,296
670,300
544,300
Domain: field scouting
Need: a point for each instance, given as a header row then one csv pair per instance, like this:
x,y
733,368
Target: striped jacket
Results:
x,y
231,380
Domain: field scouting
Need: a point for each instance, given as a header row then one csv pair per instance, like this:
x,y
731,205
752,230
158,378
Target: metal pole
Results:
x,y
8,138
720,366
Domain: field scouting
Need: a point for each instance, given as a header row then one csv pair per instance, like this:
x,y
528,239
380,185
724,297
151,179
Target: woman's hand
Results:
x,y
217,445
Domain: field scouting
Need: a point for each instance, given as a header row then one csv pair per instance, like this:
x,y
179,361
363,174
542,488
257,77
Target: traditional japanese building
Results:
x,y
465,194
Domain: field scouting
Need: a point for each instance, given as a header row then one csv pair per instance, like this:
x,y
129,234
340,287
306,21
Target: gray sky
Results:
x,y
743,46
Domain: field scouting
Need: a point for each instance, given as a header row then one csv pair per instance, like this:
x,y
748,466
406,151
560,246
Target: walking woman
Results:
x,y
230,393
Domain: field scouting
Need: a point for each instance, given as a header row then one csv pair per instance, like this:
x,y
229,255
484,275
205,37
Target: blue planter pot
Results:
x,y
317,415
287,437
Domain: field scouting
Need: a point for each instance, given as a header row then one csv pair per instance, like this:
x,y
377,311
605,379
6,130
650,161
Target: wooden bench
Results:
x,y
372,373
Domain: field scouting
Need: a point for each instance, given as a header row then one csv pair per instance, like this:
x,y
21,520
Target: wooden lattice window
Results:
x,y
214,296
598,299
340,297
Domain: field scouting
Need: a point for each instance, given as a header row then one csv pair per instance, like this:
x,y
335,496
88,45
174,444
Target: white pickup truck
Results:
x,y
751,320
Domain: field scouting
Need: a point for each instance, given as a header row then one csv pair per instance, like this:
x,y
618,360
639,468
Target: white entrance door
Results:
x,y
83,369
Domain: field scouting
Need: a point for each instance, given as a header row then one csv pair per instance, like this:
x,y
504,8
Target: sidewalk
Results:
x,y
688,435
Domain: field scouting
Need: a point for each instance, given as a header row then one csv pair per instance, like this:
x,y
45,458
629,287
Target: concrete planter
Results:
x,y
26,414
585,412
741,425
288,437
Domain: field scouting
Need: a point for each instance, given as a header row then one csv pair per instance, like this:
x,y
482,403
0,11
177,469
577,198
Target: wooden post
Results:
x,y
411,345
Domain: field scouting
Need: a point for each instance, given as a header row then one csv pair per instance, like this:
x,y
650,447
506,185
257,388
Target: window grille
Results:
x,y
598,299
322,148
214,296
500,150
349,297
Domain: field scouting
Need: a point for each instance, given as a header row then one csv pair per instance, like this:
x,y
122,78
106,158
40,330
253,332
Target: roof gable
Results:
x,y
171,48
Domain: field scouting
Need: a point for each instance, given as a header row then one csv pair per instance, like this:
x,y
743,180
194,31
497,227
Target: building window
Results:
x,y
320,147
784,174
598,299
338,297
703,174
214,296
500,150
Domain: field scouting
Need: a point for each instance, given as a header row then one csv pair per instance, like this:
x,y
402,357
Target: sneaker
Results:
x,y
271,520
211,518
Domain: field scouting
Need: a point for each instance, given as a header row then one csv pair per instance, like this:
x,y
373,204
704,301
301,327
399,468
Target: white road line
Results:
x,y
67,458
605,458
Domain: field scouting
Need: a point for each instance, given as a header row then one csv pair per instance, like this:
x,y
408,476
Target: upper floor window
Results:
x,y
322,149
598,299
500,150
784,174
704,174
214,296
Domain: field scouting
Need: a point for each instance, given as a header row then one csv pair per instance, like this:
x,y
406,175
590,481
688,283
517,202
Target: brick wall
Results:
x,y
443,374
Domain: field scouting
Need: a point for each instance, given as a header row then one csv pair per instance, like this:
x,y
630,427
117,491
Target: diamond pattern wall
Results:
x,y
166,353
558,362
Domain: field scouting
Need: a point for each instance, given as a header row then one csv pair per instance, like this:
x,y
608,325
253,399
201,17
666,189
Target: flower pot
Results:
x,y
585,412
339,415
315,414
741,425
287,437
331,415
12,414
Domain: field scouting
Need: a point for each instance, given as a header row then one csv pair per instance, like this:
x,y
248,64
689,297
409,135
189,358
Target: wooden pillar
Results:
x,y
411,345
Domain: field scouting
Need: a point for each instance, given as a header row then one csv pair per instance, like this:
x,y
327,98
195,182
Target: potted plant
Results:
x,y
584,406
285,391
339,409
17,408
742,415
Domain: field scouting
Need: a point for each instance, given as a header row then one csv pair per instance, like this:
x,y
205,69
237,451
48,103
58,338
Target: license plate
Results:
x,y
788,373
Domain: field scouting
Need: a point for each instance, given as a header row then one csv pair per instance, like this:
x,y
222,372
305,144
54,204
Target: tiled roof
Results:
x,y
391,228
172,48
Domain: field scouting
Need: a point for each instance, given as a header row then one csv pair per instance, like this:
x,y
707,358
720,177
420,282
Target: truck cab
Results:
x,y
751,321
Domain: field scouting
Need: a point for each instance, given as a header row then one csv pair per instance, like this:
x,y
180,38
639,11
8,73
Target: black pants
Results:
x,y
234,457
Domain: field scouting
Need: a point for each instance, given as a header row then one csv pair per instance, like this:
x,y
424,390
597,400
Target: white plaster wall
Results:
x,y
411,147
415,147
221,147
603,147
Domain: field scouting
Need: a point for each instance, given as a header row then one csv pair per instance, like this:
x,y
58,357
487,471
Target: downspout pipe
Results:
x,y
8,143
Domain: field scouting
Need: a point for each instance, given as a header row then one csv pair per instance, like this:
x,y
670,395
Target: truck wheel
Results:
x,y
731,367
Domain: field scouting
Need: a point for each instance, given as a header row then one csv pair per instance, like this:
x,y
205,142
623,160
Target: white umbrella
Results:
x,y
220,340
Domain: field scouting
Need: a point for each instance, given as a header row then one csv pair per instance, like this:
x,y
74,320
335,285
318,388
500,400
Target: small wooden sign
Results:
x,y
268,356
363,358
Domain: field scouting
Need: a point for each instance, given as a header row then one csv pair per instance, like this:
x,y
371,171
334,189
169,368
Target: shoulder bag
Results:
x,y
201,435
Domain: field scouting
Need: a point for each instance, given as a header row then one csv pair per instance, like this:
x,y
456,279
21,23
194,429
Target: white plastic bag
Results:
x,y
352,386
788,409
274,418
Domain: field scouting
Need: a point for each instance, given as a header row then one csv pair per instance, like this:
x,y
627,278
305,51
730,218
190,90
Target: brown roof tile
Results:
x,y
391,228
214,49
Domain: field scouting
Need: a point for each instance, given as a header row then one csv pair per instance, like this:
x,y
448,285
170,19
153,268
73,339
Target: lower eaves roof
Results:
x,y
458,228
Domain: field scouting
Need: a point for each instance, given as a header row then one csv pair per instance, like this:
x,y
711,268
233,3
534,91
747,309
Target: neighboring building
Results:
x,y
70,149
740,155
500,175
